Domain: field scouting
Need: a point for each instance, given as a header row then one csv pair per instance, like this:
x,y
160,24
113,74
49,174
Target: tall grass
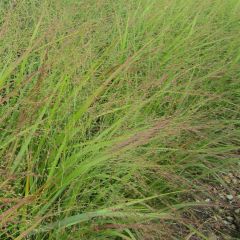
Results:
x,y
113,111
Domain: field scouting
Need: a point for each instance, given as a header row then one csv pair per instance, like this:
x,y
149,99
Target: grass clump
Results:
x,y
113,111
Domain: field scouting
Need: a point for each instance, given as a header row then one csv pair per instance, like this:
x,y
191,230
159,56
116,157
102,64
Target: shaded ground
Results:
x,y
221,219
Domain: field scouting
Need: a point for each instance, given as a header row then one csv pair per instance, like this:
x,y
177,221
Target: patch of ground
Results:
x,y
220,220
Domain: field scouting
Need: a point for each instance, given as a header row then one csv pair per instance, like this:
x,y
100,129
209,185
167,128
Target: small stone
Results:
x,y
229,218
230,175
237,211
233,226
234,180
226,222
229,197
207,200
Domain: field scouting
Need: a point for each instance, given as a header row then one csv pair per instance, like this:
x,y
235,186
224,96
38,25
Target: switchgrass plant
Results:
x,y
112,112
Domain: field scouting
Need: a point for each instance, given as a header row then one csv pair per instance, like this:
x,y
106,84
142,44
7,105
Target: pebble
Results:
x,y
234,180
233,226
207,200
226,222
237,211
229,218
230,175
229,197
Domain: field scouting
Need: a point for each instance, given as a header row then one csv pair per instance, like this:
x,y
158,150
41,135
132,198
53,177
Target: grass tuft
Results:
x,y
113,114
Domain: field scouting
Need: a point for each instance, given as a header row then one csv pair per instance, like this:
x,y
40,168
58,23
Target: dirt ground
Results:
x,y
221,219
